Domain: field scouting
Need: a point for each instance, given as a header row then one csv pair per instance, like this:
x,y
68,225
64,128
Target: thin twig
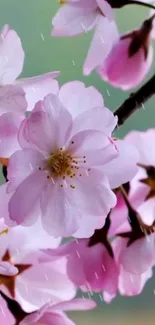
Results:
x,y
135,101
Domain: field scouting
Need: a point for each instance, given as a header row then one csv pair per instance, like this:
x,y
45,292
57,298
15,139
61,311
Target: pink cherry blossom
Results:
x,y
81,16
53,314
97,270
130,59
66,160
29,280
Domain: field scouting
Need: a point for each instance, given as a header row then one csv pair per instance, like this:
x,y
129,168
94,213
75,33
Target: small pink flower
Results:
x,y
81,16
66,165
130,58
54,313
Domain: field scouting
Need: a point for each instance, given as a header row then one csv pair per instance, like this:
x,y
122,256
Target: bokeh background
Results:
x,y
32,21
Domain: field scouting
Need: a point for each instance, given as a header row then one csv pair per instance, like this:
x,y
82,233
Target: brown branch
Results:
x,y
14,308
135,101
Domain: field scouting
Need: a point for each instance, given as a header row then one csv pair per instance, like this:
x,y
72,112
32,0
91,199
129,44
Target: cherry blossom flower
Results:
x,y
28,280
54,313
76,17
66,161
130,58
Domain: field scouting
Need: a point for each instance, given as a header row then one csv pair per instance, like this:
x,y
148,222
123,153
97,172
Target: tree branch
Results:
x,y
14,308
135,101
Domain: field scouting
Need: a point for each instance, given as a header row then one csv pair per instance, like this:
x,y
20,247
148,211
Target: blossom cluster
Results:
x,y
67,177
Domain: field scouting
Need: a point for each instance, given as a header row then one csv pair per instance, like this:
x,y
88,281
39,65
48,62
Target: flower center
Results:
x,y
60,164
62,3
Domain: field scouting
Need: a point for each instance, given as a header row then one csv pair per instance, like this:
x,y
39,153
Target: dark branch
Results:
x,y
5,173
14,308
135,101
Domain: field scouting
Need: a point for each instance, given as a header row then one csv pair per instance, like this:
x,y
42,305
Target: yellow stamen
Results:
x,y
59,164
62,3
5,231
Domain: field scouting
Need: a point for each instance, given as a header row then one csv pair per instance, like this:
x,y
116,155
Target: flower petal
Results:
x,y
139,256
97,118
23,202
105,36
21,164
124,167
59,218
77,98
8,269
12,99
11,56
71,21
75,304
36,88
9,125
92,148
39,279
52,121
133,284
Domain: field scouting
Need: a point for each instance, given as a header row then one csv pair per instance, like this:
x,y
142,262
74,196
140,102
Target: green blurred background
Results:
x,y
32,21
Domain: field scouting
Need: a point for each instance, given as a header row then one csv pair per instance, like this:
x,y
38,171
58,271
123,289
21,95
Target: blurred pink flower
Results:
x,y
81,16
54,313
130,58
29,280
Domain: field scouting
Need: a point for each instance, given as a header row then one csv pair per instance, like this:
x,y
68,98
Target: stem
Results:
x,y
101,236
135,101
132,213
121,3
140,3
